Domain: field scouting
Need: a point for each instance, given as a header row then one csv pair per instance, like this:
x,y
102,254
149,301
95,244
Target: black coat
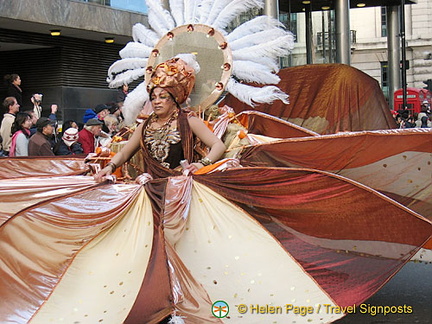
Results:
x,y
62,149
15,92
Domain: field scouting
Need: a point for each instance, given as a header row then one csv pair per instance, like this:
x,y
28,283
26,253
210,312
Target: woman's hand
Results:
x,y
99,177
193,167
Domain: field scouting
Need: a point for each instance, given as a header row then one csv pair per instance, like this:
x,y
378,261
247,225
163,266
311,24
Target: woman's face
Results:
x,y
27,123
17,81
113,127
162,102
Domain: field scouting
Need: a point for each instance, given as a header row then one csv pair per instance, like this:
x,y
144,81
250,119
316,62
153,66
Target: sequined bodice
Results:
x,y
164,145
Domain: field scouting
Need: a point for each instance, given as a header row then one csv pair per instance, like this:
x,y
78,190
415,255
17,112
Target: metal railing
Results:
x,y
323,38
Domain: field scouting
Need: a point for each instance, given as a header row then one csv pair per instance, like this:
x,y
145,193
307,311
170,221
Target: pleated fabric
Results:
x,y
125,253
320,222
398,163
327,99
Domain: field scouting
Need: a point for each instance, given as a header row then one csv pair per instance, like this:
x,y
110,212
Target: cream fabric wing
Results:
x,y
239,262
92,291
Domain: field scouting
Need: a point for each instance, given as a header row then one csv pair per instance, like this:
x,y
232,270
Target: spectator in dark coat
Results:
x,y
40,144
68,144
121,94
13,82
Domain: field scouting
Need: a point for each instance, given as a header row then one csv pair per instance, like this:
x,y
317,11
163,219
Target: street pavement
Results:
x,y
411,286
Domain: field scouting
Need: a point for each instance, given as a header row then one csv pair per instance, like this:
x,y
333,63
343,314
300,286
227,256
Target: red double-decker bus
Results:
x,y
415,98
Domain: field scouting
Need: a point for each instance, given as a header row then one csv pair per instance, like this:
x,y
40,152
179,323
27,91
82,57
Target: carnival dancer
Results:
x,y
166,138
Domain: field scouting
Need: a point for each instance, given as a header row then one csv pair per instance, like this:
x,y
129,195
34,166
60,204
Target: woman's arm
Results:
x,y
217,147
124,155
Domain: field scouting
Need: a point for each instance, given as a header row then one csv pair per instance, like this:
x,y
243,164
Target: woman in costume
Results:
x,y
166,137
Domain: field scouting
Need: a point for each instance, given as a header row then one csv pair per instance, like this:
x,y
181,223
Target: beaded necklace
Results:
x,y
159,140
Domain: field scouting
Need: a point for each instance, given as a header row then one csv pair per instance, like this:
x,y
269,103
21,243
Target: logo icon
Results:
x,y
220,309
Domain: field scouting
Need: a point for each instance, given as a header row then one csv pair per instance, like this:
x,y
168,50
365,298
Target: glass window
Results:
x,y
383,22
132,5
384,79
290,22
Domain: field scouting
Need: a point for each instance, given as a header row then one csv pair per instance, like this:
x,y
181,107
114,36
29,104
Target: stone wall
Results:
x,y
72,14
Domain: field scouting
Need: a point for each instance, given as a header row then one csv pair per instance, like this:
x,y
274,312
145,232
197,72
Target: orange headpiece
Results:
x,y
175,76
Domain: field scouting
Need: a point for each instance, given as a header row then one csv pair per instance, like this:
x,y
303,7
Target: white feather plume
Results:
x,y
271,63
257,38
159,18
134,102
127,64
215,9
253,26
125,77
134,49
204,10
275,48
191,9
142,34
232,10
177,11
252,95
254,72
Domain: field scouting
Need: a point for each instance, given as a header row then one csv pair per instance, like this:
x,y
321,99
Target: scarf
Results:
x,y
14,139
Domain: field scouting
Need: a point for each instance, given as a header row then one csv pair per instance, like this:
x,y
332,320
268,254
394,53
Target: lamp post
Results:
x,y
403,75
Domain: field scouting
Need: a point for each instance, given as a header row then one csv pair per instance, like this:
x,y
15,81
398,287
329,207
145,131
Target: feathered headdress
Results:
x,y
255,47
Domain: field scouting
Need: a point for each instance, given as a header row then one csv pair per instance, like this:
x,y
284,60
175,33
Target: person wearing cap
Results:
x,y
40,142
88,135
68,144
166,138
99,112
424,112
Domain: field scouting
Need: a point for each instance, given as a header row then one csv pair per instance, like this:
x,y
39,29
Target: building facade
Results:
x,y
369,43
69,69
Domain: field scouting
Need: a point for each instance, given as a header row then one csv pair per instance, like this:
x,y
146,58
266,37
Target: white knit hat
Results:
x,y
70,136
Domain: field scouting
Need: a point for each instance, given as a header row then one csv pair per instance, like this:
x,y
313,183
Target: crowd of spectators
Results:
x,y
405,119
37,132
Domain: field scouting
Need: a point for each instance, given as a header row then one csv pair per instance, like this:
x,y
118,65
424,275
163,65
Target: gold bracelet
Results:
x,y
112,165
205,161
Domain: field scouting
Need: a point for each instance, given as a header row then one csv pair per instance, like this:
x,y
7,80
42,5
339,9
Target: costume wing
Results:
x,y
270,235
